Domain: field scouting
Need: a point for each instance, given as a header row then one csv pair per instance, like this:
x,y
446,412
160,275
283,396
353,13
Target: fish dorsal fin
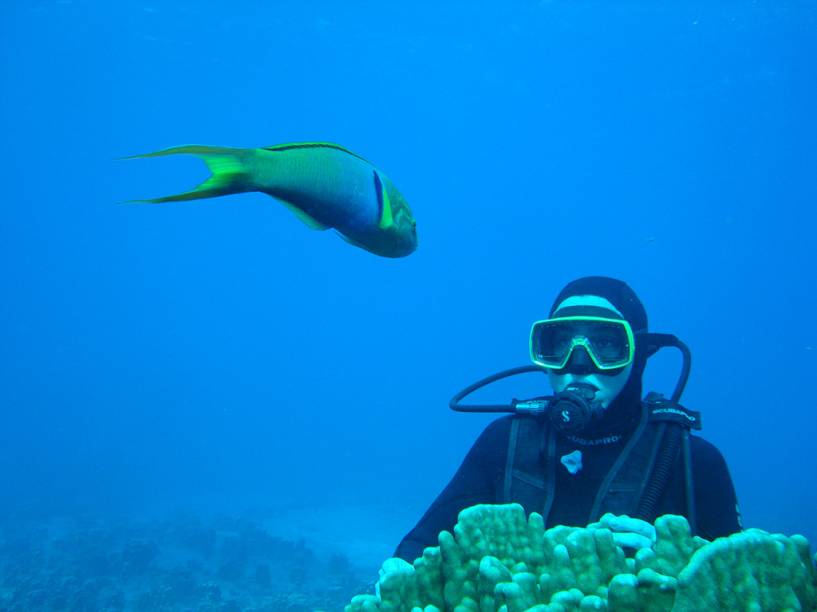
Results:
x,y
385,217
310,221
313,145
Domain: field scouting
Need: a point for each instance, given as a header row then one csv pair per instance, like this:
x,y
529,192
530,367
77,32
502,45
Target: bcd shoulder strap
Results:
x,y
530,467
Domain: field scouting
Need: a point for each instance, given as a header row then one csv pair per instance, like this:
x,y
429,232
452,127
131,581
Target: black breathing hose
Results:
x,y
655,342
671,438
454,404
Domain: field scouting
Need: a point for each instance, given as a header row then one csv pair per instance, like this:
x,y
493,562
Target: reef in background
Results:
x,y
497,560
187,563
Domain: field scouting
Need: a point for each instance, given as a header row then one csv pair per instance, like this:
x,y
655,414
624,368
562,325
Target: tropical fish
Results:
x,y
324,184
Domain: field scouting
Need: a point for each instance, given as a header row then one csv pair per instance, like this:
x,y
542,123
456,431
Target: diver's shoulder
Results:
x,y
705,451
500,428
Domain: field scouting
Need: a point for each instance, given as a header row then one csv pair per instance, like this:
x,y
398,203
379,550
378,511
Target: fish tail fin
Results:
x,y
229,168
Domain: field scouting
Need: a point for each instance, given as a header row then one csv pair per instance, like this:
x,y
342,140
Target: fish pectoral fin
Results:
x,y
305,217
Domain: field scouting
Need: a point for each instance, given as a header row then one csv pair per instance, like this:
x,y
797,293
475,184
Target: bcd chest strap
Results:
x,y
636,479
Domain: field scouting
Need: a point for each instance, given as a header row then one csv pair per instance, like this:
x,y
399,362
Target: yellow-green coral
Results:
x,y
497,560
782,576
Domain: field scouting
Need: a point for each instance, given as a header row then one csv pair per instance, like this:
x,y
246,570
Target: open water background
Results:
x,y
219,356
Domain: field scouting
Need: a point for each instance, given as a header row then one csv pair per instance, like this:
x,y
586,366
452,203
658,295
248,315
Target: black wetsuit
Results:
x,y
480,477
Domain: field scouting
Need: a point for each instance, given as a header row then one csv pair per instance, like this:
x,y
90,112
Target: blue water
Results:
x,y
220,355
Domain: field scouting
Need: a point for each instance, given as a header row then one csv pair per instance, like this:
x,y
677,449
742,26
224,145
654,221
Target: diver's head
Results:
x,y
589,340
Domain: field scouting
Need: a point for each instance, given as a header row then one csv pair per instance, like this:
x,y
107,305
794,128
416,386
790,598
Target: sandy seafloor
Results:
x,y
273,559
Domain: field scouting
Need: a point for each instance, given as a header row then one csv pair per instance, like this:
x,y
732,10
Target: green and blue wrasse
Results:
x,y
325,185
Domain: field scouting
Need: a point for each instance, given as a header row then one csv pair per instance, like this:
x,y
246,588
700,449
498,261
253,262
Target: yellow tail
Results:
x,y
230,173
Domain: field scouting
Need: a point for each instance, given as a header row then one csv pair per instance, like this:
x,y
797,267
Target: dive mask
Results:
x,y
609,342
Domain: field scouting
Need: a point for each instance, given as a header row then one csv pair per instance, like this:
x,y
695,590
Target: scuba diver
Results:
x,y
594,451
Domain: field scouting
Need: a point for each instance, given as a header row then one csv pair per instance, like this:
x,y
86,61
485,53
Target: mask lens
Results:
x,y
608,341
551,343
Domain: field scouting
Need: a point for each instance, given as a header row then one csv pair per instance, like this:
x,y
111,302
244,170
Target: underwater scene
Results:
x,y
422,306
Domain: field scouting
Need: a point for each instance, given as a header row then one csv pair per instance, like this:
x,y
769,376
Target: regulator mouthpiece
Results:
x,y
574,407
